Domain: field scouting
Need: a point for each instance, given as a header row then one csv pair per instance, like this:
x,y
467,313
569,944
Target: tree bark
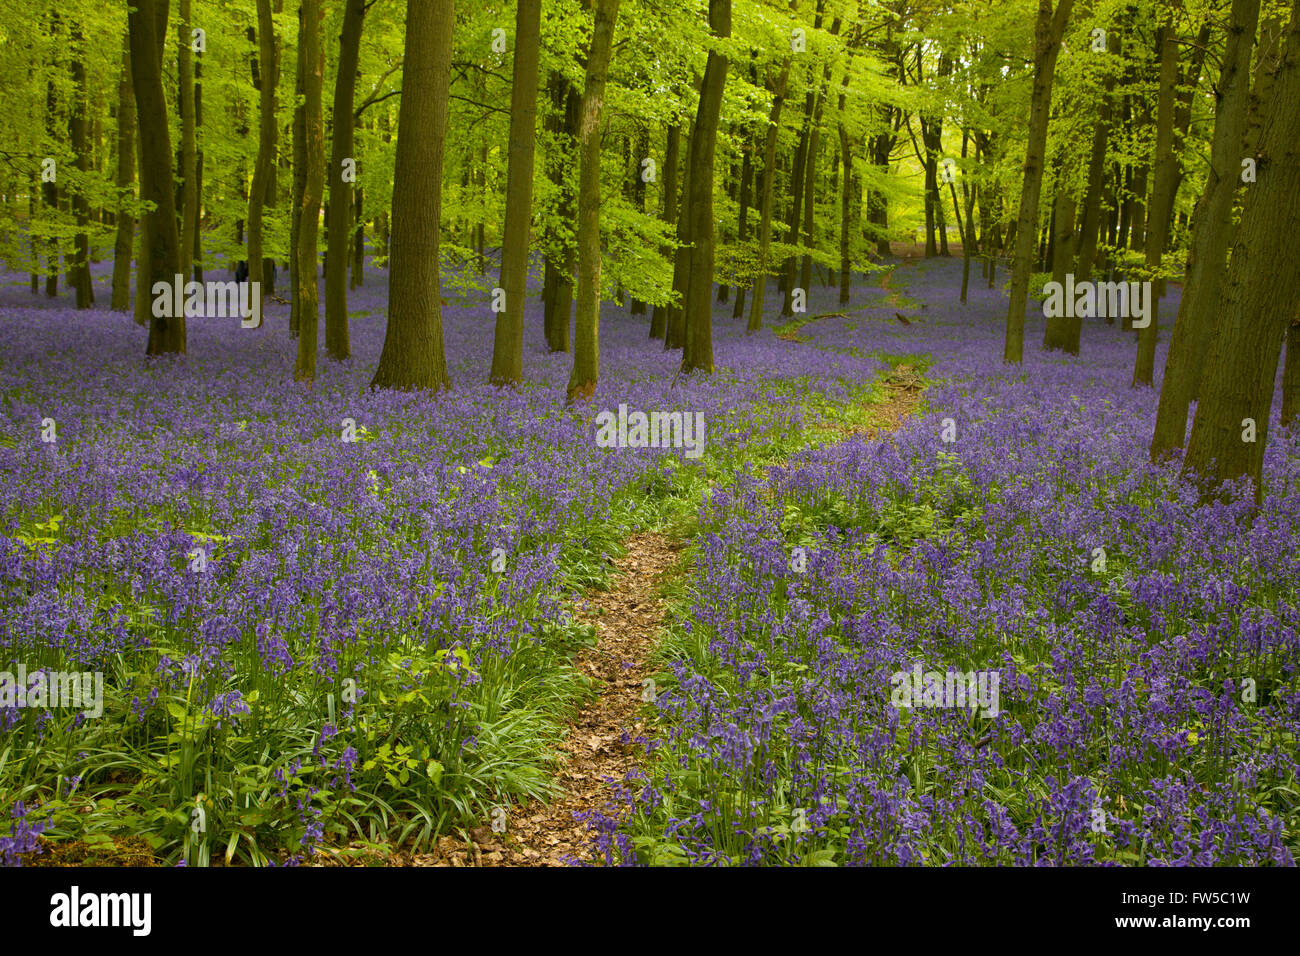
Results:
x,y
698,354
742,226
299,177
1260,297
81,283
672,147
125,222
1048,31
1162,200
147,25
1057,329
338,344
586,342
268,74
508,346
765,216
557,296
189,151
306,290
1211,237
413,354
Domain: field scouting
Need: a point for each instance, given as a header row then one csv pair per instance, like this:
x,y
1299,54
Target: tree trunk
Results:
x,y
147,25
1048,31
659,317
558,281
81,283
742,227
299,178
638,195
1260,297
413,354
1162,200
797,187
1291,374
1057,329
765,216
358,242
508,347
338,343
268,73
698,354
125,178
313,190
189,155
586,344
1211,236
675,333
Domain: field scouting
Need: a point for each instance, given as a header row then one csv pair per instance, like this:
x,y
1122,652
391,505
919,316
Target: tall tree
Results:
x,y
1211,234
258,193
124,180
189,150
147,23
765,216
586,342
80,272
413,355
306,290
557,283
1260,297
672,147
341,170
508,345
1048,30
698,353
1162,197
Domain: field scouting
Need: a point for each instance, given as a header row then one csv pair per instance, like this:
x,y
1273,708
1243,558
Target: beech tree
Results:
x,y
1259,298
508,345
412,355
586,341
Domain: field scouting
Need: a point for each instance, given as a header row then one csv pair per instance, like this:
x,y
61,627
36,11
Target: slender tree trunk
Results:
x,y
742,227
1291,374
558,281
166,333
1048,31
1057,329
413,354
50,192
675,334
313,190
1211,237
125,222
797,188
1260,297
765,216
699,308
299,178
338,342
586,344
659,317
508,347
189,150
1162,200
267,82
638,195
81,283
358,242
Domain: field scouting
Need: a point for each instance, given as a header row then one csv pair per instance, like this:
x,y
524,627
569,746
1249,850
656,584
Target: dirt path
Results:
x,y
593,756
626,618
